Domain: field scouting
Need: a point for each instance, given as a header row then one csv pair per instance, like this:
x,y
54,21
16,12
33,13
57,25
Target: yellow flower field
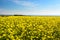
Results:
x,y
30,28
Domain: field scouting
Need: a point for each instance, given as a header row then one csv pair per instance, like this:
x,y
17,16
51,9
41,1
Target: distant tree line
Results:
x,y
11,15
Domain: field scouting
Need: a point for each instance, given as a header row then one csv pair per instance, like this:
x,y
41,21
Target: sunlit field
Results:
x,y
29,28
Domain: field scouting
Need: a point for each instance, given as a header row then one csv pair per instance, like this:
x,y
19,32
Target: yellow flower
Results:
x,y
48,36
4,34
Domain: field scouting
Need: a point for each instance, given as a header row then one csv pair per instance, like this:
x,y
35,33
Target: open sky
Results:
x,y
30,7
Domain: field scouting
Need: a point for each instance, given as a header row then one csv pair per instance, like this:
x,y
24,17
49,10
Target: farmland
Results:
x,y
30,28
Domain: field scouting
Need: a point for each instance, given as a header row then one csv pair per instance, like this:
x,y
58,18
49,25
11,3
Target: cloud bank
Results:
x,y
30,12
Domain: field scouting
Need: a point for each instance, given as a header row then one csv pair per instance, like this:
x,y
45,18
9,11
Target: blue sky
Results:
x,y
30,7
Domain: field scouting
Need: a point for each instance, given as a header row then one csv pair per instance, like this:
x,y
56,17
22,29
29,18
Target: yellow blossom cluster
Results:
x,y
29,28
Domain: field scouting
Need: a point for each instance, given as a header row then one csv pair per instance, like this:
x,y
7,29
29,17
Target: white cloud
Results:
x,y
43,12
25,3
31,12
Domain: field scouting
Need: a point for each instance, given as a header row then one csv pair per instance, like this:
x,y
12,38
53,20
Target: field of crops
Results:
x,y
29,28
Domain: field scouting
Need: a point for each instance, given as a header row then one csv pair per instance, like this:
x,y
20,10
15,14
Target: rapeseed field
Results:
x,y
30,28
